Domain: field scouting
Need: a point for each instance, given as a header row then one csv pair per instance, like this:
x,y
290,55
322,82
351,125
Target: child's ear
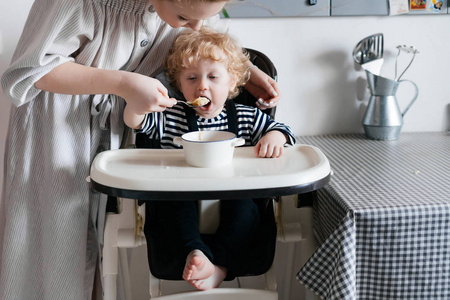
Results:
x,y
233,82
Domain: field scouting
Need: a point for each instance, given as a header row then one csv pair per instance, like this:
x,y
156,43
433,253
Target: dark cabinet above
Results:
x,y
333,8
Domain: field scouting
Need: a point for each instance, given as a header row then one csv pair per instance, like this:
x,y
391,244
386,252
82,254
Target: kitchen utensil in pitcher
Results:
x,y
407,49
369,49
383,119
373,66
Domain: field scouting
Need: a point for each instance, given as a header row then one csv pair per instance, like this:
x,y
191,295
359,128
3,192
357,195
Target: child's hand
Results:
x,y
271,144
144,94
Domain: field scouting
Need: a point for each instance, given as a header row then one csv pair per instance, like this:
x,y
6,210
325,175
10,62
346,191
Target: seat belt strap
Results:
x,y
191,119
232,117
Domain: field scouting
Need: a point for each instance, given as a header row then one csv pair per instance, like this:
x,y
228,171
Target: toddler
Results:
x,y
209,64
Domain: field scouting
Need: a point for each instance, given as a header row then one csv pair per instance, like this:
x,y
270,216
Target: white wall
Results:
x,y
318,78
322,92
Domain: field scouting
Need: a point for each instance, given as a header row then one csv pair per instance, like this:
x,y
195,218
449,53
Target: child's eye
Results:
x,y
192,78
182,19
212,76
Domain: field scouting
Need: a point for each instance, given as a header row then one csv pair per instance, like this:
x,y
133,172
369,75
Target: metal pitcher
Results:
x,y
383,119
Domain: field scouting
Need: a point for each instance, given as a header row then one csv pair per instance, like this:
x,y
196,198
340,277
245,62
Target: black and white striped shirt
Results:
x,y
252,125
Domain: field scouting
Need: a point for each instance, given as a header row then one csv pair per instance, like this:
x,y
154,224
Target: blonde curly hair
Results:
x,y
194,46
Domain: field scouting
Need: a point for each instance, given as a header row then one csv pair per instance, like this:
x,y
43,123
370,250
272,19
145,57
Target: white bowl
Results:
x,y
208,149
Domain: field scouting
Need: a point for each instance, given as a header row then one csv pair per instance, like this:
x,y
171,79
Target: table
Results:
x,y
383,222
162,174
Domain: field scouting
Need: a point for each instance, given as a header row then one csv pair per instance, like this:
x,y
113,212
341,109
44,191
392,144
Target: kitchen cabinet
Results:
x,y
359,8
271,8
324,8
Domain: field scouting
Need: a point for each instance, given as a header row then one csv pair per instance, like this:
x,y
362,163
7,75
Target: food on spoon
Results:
x,y
200,101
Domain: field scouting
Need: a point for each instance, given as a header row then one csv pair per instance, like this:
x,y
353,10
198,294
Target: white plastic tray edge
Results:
x,y
209,179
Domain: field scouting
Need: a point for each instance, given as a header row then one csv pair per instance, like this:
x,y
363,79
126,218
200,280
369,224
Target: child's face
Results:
x,y
208,79
188,13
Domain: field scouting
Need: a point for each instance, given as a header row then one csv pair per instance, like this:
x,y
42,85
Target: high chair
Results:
x,y
124,229
125,223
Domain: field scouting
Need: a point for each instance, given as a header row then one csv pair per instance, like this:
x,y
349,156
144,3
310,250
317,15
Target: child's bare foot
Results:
x,y
198,266
211,282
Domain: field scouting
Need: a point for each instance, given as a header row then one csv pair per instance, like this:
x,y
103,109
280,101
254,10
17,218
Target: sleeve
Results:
x,y
53,32
264,124
152,125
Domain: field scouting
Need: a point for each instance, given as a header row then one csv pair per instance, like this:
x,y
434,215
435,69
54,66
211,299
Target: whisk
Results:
x,y
407,49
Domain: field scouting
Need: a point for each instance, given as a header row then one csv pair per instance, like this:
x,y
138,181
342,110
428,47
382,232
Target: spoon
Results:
x,y
199,102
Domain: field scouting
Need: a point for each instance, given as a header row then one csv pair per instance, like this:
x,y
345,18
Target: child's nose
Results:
x,y
202,84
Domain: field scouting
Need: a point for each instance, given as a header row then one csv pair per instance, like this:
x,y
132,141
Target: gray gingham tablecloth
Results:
x,y
383,222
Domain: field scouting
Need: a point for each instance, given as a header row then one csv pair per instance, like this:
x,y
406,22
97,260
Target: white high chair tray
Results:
x,y
163,174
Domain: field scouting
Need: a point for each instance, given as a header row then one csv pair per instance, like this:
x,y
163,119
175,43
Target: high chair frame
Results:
x,y
124,229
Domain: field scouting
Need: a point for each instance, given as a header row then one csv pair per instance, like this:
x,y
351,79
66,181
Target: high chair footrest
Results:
x,y
223,294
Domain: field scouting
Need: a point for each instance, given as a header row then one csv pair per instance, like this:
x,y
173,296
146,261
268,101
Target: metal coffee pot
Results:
x,y
383,119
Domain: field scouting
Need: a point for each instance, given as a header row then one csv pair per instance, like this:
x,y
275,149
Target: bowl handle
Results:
x,y
178,141
238,142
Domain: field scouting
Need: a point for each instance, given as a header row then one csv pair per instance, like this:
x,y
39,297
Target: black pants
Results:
x,y
178,224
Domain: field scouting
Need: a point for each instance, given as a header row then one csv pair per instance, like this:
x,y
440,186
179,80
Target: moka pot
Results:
x,y
383,119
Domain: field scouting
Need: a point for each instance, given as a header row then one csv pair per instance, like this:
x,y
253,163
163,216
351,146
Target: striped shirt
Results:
x,y
171,123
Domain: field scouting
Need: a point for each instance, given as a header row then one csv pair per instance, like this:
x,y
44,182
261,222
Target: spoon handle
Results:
x,y
185,103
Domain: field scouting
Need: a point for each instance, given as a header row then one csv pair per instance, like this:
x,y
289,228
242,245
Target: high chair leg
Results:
x,y
270,278
289,271
122,230
125,272
155,286
110,257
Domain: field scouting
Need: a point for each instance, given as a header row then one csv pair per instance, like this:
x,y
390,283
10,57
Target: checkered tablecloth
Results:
x,y
383,222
